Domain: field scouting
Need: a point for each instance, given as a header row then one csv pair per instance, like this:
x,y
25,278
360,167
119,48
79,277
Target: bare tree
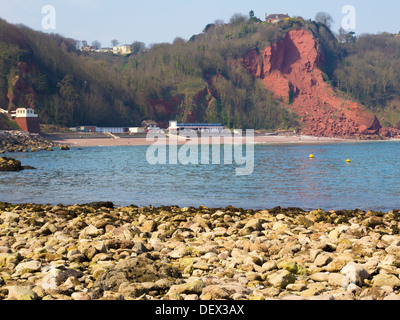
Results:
x,y
324,18
238,18
96,44
114,42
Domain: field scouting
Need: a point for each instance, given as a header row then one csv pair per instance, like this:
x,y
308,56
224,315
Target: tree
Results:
x,y
114,42
238,19
251,14
253,18
70,98
324,18
96,44
138,47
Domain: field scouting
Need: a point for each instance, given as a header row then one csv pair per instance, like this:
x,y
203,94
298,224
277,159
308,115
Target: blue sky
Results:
x,y
156,21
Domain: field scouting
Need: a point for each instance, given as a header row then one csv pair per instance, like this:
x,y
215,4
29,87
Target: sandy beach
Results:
x,y
91,142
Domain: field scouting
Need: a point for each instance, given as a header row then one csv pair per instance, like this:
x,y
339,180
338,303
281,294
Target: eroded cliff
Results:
x,y
290,69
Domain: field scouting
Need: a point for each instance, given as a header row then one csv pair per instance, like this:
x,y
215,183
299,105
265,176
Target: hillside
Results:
x,y
63,86
245,74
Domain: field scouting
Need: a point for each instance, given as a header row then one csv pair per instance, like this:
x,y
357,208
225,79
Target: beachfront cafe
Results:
x,y
175,126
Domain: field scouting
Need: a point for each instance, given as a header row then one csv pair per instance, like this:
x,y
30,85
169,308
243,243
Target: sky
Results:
x,y
157,21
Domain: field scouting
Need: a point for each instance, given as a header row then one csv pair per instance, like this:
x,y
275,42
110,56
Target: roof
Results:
x,y
276,16
149,122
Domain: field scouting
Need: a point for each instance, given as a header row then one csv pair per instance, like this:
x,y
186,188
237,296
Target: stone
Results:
x,y
319,276
322,260
254,224
193,287
314,289
28,267
7,259
338,280
269,265
214,292
90,231
355,273
389,280
394,248
296,287
392,296
64,147
281,279
21,293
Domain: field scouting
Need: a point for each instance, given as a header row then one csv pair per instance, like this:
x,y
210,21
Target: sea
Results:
x,y
283,175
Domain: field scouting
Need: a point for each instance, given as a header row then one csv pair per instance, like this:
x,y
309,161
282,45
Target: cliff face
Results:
x,y
290,70
20,92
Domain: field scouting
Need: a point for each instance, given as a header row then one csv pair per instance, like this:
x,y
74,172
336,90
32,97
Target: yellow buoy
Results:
x,y
348,160
311,156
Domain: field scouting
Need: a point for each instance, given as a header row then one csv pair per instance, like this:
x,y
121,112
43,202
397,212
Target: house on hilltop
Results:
x,y
124,49
274,18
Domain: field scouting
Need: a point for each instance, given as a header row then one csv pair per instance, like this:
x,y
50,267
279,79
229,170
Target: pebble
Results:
x,y
98,251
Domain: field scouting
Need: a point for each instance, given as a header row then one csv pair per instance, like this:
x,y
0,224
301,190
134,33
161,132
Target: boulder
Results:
x,y
12,165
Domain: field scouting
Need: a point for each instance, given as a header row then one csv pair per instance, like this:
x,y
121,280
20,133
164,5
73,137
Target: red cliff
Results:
x,y
290,69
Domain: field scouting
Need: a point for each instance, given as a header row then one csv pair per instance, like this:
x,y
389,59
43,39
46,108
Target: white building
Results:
x,y
25,113
124,49
137,130
111,130
202,127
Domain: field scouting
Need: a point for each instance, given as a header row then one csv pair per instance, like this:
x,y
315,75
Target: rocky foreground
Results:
x,y
18,141
98,251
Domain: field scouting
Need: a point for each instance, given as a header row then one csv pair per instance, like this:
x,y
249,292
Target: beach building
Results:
x,y
112,129
137,130
84,129
150,126
100,129
27,120
175,126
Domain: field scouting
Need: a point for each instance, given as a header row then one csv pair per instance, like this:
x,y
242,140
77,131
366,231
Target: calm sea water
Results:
x,y
283,176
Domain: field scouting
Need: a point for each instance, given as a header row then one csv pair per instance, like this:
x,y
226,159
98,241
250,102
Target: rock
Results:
x,y
103,252
394,248
338,280
8,164
355,273
21,293
214,292
392,296
297,80
76,255
269,265
13,165
193,287
9,259
64,147
281,279
314,289
28,267
90,231
389,280
255,224
319,276
322,260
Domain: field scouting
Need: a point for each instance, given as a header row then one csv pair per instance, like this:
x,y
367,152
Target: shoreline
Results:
x,y
98,251
142,141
